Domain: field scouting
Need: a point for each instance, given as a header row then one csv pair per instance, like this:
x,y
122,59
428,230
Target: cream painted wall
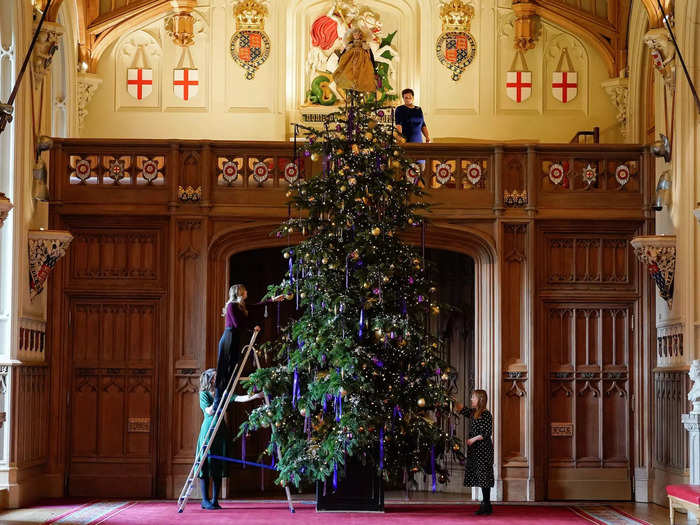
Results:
x,y
231,107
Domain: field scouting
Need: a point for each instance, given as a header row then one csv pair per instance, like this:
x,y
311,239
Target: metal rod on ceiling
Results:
x,y
667,23
6,110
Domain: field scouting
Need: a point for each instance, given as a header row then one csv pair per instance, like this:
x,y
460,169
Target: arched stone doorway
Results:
x,y
446,242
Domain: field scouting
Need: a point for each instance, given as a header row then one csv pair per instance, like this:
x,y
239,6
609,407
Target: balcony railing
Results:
x,y
478,179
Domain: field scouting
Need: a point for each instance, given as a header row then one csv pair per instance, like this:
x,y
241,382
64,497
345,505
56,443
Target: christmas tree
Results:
x,y
358,374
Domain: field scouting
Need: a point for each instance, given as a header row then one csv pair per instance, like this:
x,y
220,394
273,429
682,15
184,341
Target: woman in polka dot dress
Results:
x,y
479,469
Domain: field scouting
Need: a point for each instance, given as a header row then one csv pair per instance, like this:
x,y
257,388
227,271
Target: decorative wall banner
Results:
x,y
46,247
291,172
261,172
413,173
229,171
519,82
250,45
139,77
564,83
455,47
659,253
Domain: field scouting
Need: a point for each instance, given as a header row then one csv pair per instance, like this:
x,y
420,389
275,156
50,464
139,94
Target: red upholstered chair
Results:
x,y
685,496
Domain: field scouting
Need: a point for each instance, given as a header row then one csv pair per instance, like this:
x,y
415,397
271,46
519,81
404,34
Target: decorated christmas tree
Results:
x,y
358,373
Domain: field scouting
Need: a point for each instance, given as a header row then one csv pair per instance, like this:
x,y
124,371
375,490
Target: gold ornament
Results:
x,y
421,402
435,309
352,181
444,377
365,285
376,231
302,295
395,164
396,153
368,135
314,156
343,188
302,411
372,124
290,296
385,279
286,255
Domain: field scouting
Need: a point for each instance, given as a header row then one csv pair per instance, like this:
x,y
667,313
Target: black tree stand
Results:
x,y
360,490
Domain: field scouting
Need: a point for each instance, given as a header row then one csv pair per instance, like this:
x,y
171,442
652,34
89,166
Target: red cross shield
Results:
x,y
518,85
139,82
564,85
185,83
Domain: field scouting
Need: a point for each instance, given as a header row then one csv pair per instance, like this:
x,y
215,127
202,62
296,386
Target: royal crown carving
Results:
x,y
456,15
250,14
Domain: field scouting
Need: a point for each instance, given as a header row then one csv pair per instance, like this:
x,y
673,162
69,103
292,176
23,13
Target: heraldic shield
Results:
x,y
456,50
250,49
139,82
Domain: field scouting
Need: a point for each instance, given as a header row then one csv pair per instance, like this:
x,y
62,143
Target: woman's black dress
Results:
x,y
479,469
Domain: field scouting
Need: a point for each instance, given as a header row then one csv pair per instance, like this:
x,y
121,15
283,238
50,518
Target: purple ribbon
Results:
x,y
294,388
291,269
381,448
338,405
335,476
432,466
397,412
362,319
347,262
243,445
324,402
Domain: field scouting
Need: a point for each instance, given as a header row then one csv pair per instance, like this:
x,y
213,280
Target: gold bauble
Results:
x,y
376,231
455,447
352,181
314,156
444,377
385,279
339,151
372,124
278,424
435,309
389,187
396,153
410,221
395,164
288,194
343,188
302,295
302,411
286,255
368,135
324,260
421,402
365,285
290,296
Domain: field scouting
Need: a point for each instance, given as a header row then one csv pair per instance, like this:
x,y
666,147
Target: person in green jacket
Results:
x,y
212,468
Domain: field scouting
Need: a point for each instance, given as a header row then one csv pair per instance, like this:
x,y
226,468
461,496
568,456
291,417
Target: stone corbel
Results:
x,y
618,91
46,45
659,253
663,54
46,247
180,26
525,24
87,87
5,207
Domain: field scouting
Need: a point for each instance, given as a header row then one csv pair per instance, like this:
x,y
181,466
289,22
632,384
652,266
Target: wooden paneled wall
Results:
x,y
136,306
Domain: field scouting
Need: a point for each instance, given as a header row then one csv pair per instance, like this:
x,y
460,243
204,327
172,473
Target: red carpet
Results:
x,y
269,513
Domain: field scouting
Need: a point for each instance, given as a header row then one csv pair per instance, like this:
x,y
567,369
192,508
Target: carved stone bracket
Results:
x,y
663,54
618,91
45,249
46,45
5,207
517,381
659,253
87,87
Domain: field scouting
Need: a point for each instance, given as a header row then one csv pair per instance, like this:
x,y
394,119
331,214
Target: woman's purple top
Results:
x,y
235,318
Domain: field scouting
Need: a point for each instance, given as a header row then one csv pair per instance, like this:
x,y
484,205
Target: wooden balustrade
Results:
x,y
479,179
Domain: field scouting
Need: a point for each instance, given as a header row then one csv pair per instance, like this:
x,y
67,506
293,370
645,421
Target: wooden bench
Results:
x,y
683,496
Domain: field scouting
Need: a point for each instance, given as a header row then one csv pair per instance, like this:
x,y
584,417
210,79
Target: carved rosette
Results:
x,y
5,207
87,87
659,253
45,249
618,91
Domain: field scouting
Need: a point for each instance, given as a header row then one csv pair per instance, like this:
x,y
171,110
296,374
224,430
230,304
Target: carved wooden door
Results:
x,y
590,347
112,347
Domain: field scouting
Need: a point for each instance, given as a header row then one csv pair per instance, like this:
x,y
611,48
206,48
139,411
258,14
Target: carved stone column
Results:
x,y
87,87
5,207
618,91
691,422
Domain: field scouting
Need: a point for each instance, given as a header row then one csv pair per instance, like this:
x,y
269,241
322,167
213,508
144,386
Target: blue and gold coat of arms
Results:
x,y
250,45
455,47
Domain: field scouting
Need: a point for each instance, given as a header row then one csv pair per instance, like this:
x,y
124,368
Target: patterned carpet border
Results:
x,y
607,515
91,513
